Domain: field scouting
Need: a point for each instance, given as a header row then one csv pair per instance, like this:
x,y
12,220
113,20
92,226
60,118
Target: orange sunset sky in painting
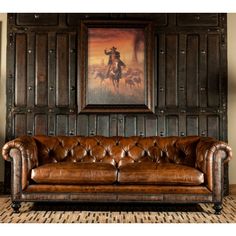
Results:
x,y
104,38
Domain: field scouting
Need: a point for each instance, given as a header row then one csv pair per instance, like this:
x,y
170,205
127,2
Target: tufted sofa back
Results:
x,y
117,151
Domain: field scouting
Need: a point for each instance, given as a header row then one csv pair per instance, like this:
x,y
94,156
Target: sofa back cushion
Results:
x,y
117,151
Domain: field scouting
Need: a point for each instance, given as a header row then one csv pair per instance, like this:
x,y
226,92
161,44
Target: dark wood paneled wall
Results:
x,y
190,81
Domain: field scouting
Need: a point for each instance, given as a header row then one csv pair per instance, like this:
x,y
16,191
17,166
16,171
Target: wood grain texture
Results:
x,y
213,70
41,124
20,70
171,70
192,71
62,82
41,77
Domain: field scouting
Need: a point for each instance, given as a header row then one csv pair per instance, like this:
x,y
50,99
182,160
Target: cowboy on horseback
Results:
x,y
115,65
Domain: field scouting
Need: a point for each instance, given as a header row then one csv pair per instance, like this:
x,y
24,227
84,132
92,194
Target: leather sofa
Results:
x,y
117,169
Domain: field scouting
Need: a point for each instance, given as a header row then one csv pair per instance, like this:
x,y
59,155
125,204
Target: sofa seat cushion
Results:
x,y
151,173
75,173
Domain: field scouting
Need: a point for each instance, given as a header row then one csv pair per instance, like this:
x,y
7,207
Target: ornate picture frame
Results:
x,y
116,67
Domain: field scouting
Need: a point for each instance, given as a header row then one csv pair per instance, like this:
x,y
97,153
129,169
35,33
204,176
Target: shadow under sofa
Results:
x,y
117,169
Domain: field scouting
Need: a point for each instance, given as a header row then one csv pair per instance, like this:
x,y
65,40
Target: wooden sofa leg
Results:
x,y
218,207
16,206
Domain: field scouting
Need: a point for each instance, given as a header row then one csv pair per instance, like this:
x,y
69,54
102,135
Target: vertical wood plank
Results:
x,y
161,90
10,84
192,125
92,124
120,125
182,124
62,81
61,124
141,125
130,125
72,69
161,125
103,125
20,125
223,81
41,70
155,74
41,124
213,126
31,70
72,124
151,126
172,70
51,124
203,125
51,69
223,64
172,125
213,70
30,123
182,71
82,125
203,70
172,19
21,70
113,125
192,70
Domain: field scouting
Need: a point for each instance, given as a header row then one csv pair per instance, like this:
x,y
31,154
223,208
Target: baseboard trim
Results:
x,y
232,189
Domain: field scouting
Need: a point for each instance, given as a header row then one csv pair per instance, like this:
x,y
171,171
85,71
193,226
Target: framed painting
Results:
x,y
116,67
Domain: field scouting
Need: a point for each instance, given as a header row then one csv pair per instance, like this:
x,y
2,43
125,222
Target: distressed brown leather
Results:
x,y
162,174
117,151
163,169
26,145
206,151
75,173
124,188
24,154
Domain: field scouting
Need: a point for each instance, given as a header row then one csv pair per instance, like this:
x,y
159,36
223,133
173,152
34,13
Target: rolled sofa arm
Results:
x,y
22,152
211,155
